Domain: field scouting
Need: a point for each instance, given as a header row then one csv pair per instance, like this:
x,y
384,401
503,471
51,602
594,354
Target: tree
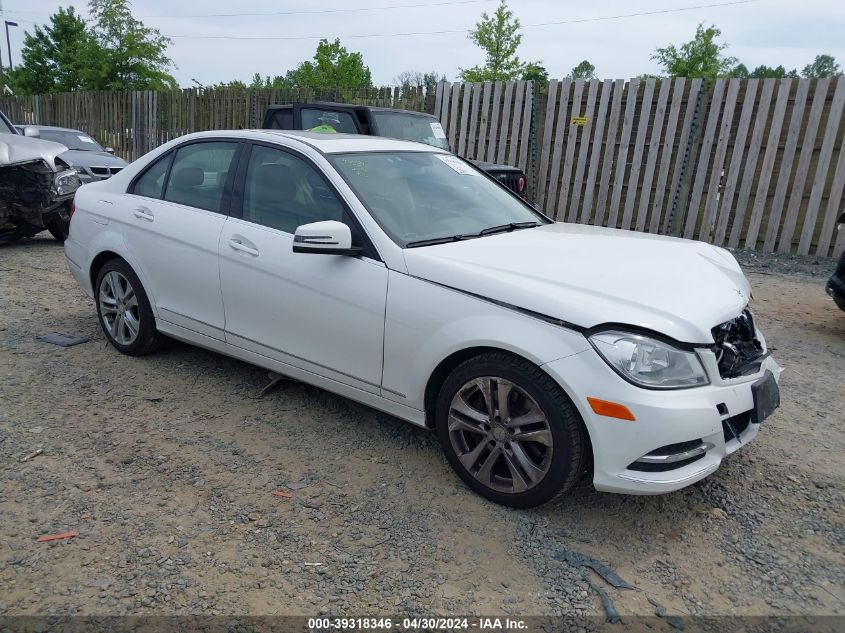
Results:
x,y
701,57
767,72
498,35
535,71
56,58
414,78
333,67
584,70
132,56
822,66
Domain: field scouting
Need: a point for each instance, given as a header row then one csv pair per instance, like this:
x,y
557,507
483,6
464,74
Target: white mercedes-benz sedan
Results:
x,y
399,275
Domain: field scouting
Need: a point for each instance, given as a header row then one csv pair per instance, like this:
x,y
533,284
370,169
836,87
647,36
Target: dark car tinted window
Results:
x,y
151,182
199,174
330,121
283,191
280,119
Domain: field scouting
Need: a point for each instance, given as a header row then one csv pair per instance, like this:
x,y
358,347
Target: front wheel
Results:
x,y
509,431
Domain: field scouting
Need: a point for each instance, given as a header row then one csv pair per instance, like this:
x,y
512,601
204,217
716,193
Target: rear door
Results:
x,y
176,212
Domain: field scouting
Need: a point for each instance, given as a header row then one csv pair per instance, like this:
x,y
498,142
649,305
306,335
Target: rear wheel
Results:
x,y
509,431
124,310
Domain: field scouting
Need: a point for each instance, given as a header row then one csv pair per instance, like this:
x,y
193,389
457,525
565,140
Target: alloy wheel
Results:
x,y
119,308
500,434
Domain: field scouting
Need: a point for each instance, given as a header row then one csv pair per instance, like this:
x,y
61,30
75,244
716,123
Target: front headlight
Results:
x,y
66,182
648,362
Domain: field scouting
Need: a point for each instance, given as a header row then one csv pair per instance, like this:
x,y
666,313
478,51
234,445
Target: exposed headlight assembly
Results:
x,y
648,362
66,182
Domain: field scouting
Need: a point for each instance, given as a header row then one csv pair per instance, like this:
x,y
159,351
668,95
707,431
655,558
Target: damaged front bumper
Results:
x,y
34,196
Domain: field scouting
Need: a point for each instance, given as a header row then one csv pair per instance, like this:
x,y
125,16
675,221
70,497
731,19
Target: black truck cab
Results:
x,y
406,125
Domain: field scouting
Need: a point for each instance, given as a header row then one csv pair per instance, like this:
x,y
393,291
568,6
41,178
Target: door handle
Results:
x,y
143,213
238,245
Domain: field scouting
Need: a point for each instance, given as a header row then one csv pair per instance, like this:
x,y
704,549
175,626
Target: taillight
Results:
x,y
72,209
521,184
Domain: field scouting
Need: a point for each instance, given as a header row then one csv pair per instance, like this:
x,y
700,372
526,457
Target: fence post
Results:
x,y
693,144
37,109
539,102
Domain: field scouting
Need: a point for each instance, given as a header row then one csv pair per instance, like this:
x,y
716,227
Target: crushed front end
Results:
x,y
35,195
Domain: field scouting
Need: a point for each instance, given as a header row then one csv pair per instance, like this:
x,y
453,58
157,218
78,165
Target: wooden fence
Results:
x,y
741,163
133,123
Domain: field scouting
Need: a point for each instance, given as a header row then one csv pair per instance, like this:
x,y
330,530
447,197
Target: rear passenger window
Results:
x,y
151,182
199,174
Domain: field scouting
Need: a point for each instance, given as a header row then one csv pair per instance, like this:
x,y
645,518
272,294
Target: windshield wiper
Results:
x,y
506,228
440,240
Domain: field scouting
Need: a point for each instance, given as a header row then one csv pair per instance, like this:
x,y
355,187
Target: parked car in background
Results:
x,y
36,186
406,125
400,276
90,159
836,284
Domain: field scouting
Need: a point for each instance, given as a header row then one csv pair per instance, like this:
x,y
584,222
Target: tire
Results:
x,y
839,300
124,311
524,472
59,231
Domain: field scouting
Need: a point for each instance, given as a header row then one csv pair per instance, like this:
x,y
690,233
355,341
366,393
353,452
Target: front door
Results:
x,y
321,313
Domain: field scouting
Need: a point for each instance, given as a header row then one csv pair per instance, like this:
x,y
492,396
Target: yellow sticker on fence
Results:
x,y
579,120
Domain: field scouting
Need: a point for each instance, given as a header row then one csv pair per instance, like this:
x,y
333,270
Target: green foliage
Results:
x,y
114,52
822,66
701,57
57,57
132,56
535,71
499,36
333,67
767,72
584,70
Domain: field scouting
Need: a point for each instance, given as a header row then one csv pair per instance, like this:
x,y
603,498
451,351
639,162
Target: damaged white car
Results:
x,y
398,275
36,186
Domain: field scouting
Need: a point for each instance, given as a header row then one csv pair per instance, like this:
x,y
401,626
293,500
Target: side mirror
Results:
x,y
31,130
110,150
324,238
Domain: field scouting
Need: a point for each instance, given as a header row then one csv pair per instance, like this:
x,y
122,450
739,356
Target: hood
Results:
x,y
589,276
15,149
82,158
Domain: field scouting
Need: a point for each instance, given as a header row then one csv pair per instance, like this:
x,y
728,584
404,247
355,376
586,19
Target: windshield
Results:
x,y
421,196
71,139
411,127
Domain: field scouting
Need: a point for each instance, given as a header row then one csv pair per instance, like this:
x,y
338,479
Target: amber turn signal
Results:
x,y
611,409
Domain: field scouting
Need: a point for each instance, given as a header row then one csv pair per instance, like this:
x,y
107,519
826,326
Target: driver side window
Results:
x,y
282,191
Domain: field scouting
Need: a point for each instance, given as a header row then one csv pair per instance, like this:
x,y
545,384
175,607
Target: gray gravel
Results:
x,y
165,467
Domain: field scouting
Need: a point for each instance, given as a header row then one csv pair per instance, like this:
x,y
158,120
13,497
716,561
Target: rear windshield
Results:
x,y
410,127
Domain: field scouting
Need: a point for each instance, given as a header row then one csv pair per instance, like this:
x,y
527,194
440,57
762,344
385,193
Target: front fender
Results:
x,y
417,340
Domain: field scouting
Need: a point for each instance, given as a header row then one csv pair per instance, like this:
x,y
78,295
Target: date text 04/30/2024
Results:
x,y
316,625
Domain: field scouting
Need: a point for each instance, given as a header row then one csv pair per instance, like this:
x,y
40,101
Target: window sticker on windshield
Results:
x,y
85,139
438,130
457,164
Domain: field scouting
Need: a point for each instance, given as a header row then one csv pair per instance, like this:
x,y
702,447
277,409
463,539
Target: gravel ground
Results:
x,y
166,465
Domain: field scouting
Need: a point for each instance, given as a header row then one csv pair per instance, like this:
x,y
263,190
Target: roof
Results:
x,y
332,104
53,127
326,143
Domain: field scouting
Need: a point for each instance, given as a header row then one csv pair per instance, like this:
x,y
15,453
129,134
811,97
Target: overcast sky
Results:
x,y
768,32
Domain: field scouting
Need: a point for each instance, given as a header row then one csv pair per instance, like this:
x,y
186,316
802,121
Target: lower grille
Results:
x,y
735,426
